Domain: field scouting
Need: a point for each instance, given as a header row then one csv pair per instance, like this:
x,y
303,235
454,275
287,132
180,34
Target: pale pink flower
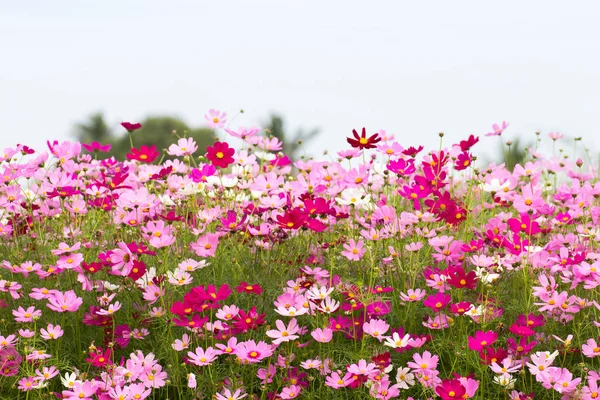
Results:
x,y
202,357
376,328
51,332
354,251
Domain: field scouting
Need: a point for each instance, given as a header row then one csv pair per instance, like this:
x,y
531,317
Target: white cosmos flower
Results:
x,y
395,341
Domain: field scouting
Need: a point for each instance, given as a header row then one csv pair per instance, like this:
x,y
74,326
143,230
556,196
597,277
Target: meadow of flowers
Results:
x,y
230,272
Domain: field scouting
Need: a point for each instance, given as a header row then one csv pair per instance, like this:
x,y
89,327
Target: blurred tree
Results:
x,y
94,129
291,145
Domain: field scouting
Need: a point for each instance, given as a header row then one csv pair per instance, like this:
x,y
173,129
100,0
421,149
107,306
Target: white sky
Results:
x,y
414,68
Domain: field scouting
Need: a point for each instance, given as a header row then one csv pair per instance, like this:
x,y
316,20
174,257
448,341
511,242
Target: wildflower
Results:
x,y
283,333
591,349
227,395
27,383
354,251
322,335
95,147
184,147
451,389
423,362
376,328
220,154
252,352
244,287
437,301
202,357
290,392
215,118
26,315
396,342
362,142
482,340
130,127
143,154
497,129
51,332
405,378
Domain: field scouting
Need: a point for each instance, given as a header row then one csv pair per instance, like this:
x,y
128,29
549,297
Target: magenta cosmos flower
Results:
x,y
220,154
131,126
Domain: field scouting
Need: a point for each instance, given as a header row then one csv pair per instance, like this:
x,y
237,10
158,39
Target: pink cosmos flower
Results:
x,y
591,349
206,245
202,357
227,395
229,348
497,129
413,295
153,377
61,302
363,368
266,374
376,328
215,118
27,383
354,251
184,147
336,380
290,392
283,333
322,335
252,352
80,391
423,362
565,383
46,373
22,315
51,332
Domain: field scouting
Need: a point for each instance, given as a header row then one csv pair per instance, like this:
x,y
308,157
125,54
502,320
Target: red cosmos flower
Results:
x,y
100,358
162,173
92,267
211,294
491,355
220,154
294,219
451,389
460,279
412,152
465,145
95,147
245,321
144,154
460,308
244,287
362,142
181,308
131,126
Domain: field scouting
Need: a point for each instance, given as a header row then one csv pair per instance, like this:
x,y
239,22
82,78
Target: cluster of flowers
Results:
x,y
408,274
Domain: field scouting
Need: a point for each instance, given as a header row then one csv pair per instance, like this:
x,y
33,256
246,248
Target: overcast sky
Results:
x,y
413,68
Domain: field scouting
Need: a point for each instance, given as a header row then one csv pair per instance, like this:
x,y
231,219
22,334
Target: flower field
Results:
x,y
233,272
